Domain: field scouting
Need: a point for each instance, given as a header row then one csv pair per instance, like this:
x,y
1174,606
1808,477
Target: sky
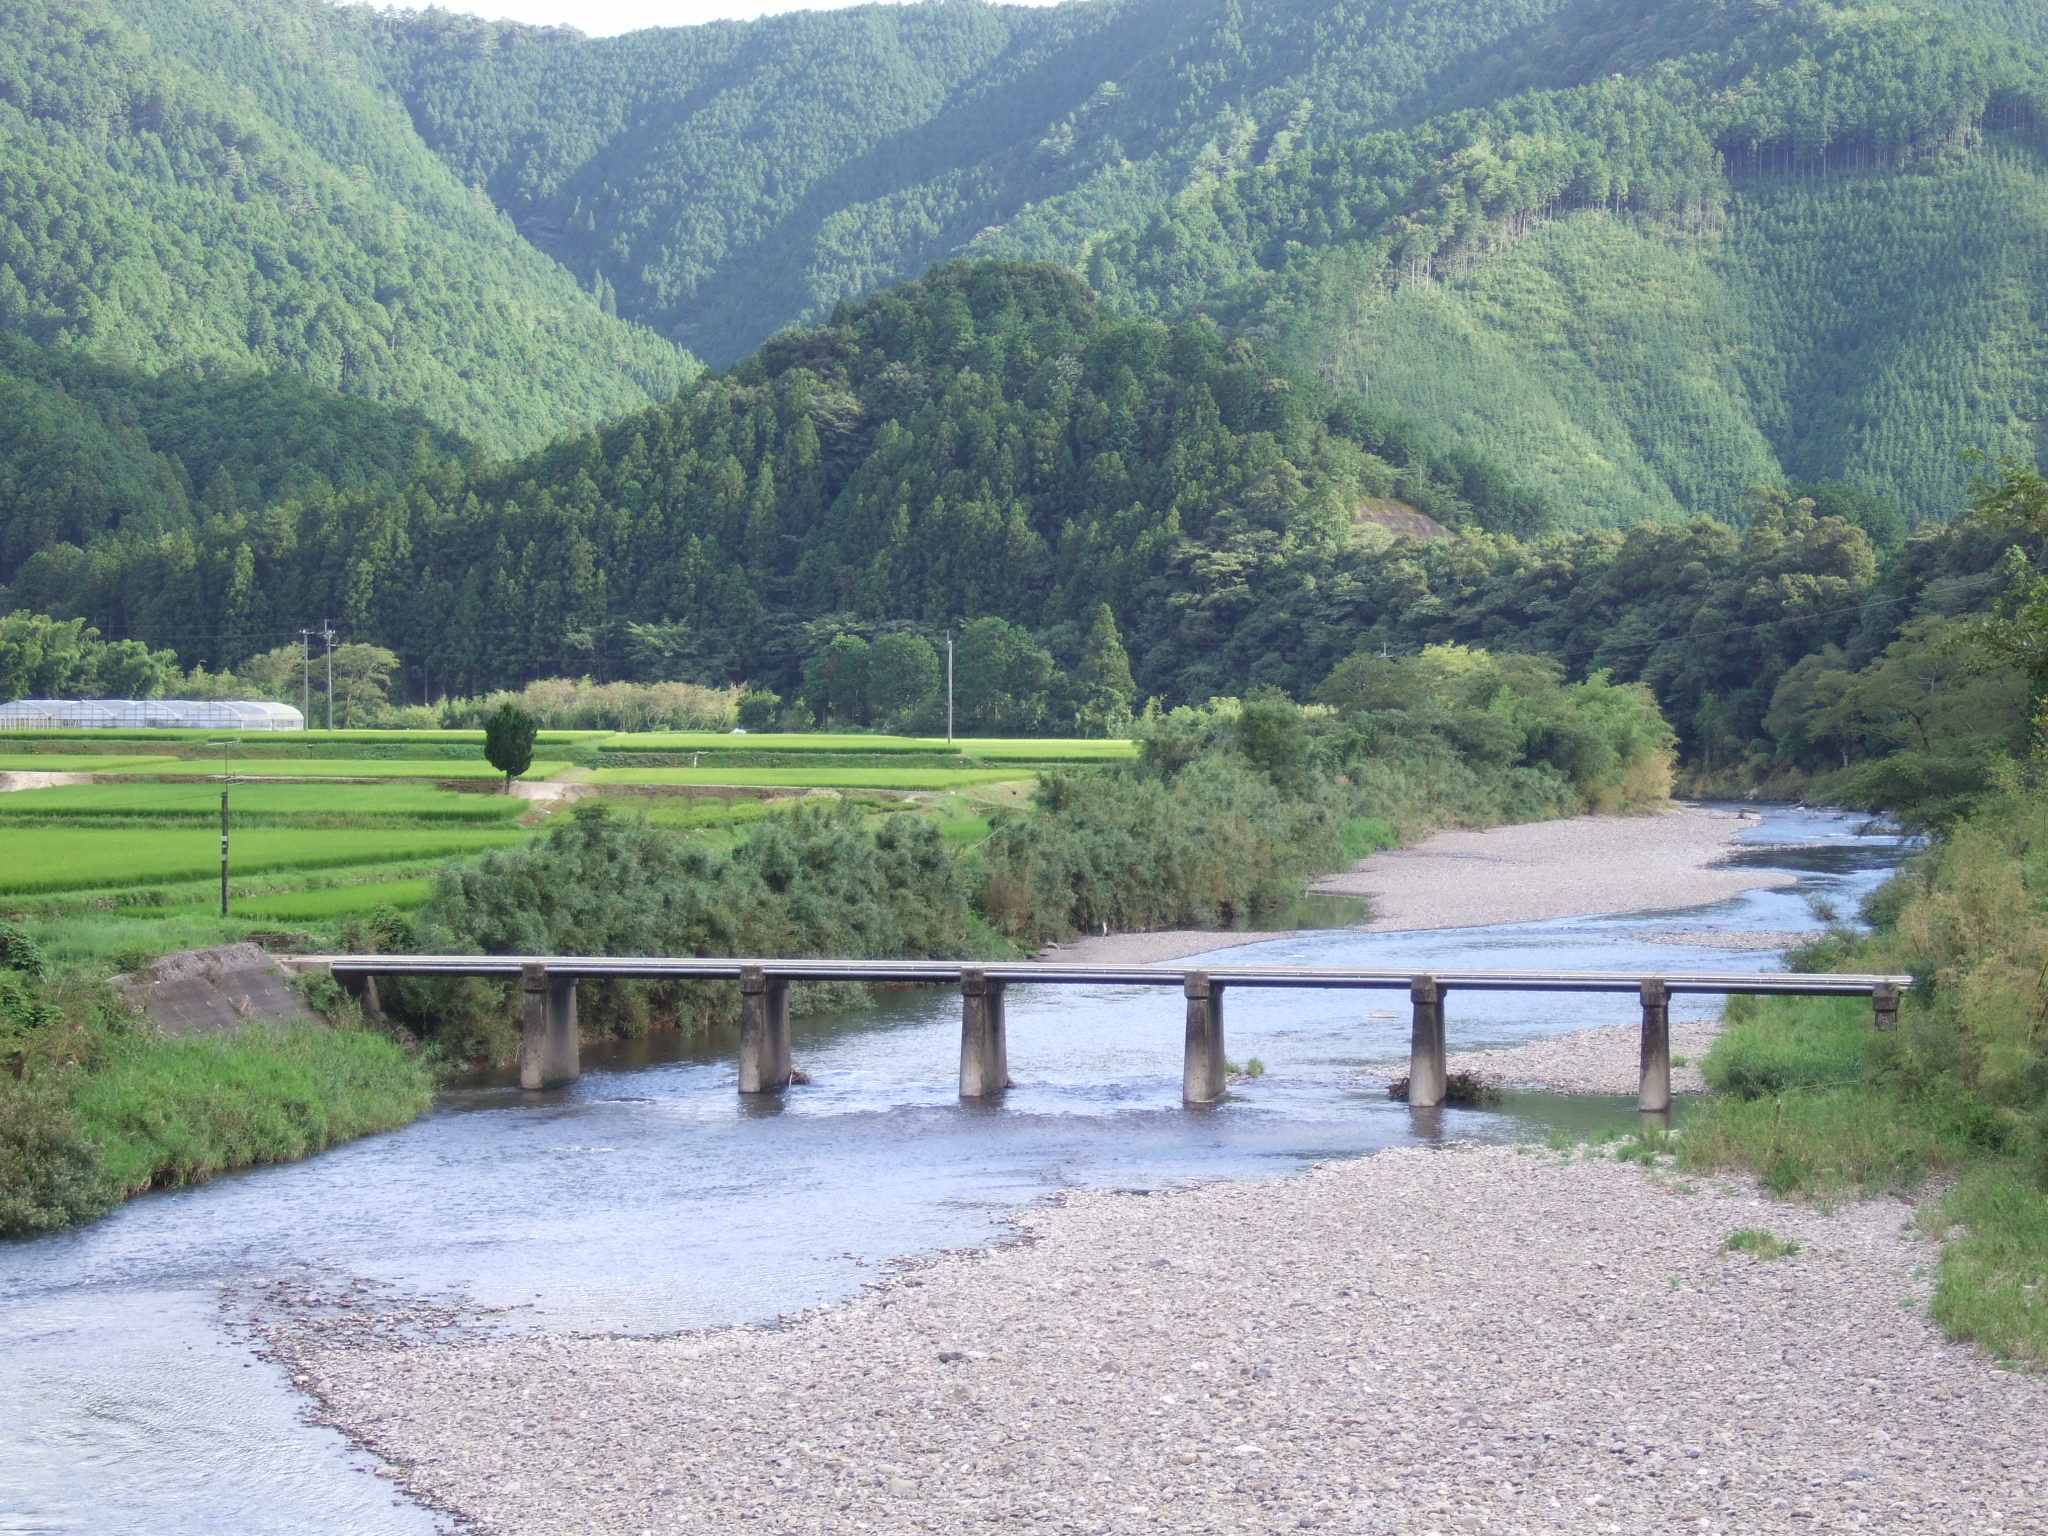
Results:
x,y
602,18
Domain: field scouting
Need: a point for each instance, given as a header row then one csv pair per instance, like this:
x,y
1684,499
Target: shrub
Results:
x,y
817,880
49,1171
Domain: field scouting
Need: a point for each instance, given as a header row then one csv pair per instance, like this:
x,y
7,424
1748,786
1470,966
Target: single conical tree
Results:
x,y
1104,678
508,741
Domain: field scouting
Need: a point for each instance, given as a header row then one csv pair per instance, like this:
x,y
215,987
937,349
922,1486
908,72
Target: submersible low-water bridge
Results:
x,y
548,1052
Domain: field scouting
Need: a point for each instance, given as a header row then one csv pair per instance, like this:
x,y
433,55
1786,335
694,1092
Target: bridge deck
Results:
x,y
658,968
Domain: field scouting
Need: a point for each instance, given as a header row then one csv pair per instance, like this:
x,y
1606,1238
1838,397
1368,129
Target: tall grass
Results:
x,y
172,1111
96,1105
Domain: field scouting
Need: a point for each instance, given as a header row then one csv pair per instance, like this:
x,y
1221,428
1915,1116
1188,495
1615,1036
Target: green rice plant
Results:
x,y
1016,749
813,778
318,737
685,813
337,901
256,804
358,768
79,762
48,859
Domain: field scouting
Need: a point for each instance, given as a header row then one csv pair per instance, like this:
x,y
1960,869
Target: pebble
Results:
x,y
1603,1060
1509,1342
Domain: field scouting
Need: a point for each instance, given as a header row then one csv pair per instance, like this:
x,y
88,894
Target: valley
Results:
x,y
1427,487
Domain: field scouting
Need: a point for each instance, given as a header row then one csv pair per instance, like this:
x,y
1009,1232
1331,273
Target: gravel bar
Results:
x,y
1478,1340
1543,869
1604,1060
1576,867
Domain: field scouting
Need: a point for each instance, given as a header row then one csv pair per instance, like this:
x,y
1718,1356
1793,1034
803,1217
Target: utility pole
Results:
x,y
949,687
226,778
306,674
327,634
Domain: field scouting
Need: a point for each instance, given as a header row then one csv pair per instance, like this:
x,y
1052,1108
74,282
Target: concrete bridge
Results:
x,y
549,1044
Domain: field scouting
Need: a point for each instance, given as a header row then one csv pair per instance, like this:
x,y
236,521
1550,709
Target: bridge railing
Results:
x,y
549,1044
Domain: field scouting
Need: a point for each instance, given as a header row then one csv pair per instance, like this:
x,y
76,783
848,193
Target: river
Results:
x,y
647,1197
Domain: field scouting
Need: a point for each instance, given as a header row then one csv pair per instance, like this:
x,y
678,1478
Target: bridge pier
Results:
x,y
1426,1069
1203,1073
548,1048
1653,1093
1884,1004
364,990
984,1042
764,1032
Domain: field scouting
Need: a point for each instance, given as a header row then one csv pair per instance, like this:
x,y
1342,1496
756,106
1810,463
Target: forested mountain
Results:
x,y
987,445
1642,254
87,448
220,188
982,442
273,268
1645,253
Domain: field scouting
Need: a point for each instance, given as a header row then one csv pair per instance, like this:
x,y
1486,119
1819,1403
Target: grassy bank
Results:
x,y
173,1111
1819,1105
96,1106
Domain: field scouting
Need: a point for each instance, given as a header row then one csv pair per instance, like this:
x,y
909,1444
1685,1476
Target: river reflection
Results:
x,y
648,1197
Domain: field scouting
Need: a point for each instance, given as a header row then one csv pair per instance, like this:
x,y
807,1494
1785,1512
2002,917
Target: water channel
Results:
x,y
646,1197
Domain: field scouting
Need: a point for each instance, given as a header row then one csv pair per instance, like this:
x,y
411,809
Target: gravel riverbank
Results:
x,y
1466,1340
1576,867
1604,1060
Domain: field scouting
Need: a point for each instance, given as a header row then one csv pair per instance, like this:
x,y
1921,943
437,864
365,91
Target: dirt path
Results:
x,y
15,779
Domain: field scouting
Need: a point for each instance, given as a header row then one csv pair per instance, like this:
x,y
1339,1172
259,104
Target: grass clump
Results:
x,y
1463,1090
166,1112
1760,1244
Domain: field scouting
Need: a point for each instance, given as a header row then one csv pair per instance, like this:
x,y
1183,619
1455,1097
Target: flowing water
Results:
x,y
647,1197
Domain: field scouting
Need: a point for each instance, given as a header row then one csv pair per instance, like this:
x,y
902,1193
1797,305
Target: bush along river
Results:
x,y
647,1197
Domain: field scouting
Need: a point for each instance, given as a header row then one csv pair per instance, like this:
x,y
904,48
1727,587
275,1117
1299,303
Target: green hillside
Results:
x,y
1640,254
1828,213
983,442
87,448
1812,250
723,181
224,189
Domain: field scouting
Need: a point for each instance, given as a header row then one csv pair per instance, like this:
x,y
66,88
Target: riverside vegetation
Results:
x,y
1817,1102
95,1106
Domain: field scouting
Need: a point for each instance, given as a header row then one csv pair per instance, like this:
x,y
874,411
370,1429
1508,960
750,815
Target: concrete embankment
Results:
x,y
217,990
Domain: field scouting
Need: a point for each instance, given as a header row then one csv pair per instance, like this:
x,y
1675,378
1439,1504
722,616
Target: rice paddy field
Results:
x,y
854,776
965,749
330,827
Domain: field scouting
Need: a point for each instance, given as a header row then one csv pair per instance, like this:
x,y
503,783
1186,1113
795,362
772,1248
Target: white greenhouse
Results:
x,y
149,714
